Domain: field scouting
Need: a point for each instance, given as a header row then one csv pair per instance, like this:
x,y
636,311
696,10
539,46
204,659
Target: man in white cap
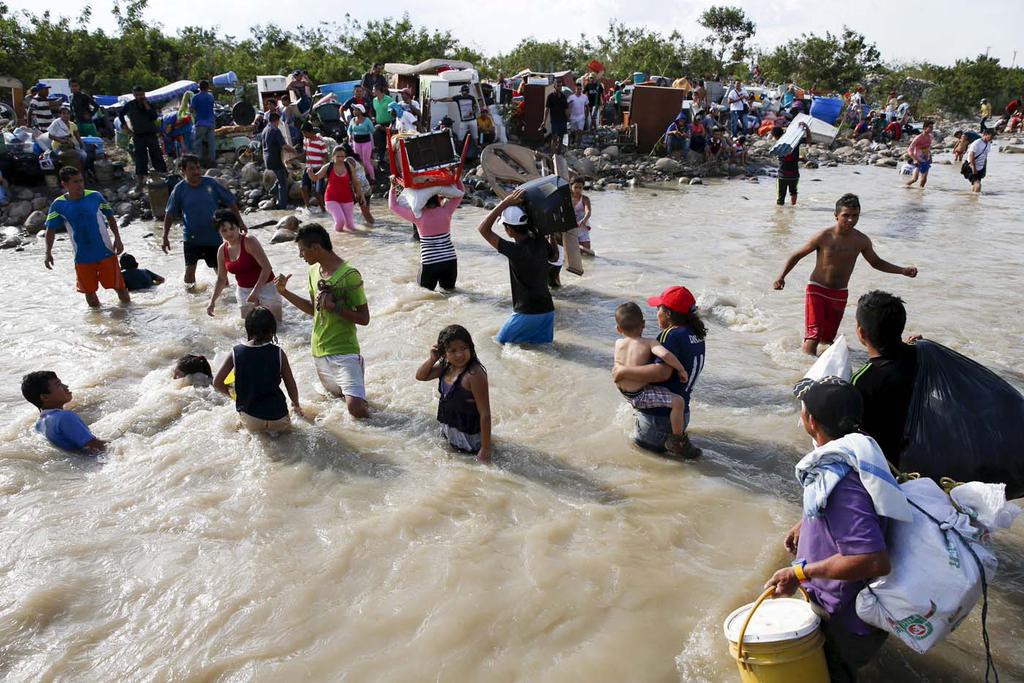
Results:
x,y
533,316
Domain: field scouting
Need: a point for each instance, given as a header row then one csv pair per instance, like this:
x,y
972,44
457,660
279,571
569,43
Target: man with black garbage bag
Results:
x,y
886,380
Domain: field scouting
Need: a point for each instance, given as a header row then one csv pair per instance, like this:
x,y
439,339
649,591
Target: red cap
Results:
x,y
678,299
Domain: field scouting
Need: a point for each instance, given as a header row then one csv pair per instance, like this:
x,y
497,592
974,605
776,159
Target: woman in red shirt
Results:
x,y
243,256
343,191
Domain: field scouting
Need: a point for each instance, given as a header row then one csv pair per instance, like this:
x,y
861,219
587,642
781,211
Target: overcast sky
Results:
x,y
939,31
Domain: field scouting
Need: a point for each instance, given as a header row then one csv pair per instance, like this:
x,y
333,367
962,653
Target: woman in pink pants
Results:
x,y
342,192
360,132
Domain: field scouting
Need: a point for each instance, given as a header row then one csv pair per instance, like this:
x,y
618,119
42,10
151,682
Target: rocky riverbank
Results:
x,y
605,169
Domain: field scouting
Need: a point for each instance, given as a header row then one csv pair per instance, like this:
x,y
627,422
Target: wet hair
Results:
x,y
690,320
35,384
433,202
226,216
457,333
204,85
848,201
274,116
777,132
958,134
190,159
578,180
260,325
339,148
138,88
313,235
349,151
190,364
882,318
73,81
128,261
67,173
308,127
927,123
629,317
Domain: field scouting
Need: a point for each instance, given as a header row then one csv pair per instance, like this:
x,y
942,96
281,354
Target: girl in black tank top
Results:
x,y
464,408
260,365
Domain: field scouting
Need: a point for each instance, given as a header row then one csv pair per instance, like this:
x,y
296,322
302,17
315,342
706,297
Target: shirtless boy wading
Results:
x,y
837,250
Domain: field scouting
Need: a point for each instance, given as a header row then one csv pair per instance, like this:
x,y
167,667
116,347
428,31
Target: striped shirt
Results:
x,y
316,152
40,113
437,249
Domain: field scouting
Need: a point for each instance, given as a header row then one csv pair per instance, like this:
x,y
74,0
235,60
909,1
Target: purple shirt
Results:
x,y
848,525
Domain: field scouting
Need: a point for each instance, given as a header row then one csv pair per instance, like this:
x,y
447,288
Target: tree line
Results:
x,y
42,45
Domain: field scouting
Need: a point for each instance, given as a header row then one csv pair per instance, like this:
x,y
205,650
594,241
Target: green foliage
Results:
x,y
824,62
960,88
730,30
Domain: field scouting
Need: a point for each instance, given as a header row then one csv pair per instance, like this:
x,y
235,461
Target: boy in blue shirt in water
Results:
x,y
63,428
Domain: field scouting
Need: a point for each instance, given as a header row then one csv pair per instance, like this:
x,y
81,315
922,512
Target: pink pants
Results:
x,y
365,152
342,214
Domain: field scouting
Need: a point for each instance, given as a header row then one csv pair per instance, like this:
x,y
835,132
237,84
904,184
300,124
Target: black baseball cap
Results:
x,y
832,402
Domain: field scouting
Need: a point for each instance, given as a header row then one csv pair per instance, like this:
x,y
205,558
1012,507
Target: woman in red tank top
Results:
x,y
342,192
245,259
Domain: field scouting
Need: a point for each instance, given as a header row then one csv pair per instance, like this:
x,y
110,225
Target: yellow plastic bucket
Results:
x,y
777,641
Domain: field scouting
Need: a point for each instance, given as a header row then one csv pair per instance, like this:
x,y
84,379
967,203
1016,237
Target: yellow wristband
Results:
x,y
798,569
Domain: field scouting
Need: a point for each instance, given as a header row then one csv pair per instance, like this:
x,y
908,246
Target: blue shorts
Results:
x,y
528,328
923,167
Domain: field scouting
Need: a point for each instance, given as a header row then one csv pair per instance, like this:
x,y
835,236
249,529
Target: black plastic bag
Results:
x,y
965,422
548,202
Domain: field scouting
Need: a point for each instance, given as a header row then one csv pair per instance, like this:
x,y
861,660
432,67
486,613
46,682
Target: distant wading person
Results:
x,y
438,261
837,249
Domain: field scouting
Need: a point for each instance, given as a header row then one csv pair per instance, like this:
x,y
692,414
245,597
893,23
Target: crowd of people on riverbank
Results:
x,y
840,541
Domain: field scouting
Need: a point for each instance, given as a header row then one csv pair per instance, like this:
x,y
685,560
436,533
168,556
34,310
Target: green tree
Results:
x,y
730,30
824,62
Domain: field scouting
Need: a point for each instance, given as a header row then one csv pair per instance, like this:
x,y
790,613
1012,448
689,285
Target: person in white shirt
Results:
x,y
63,134
737,98
578,104
977,160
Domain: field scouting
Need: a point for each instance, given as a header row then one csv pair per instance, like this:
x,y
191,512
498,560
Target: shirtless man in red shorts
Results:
x,y
837,250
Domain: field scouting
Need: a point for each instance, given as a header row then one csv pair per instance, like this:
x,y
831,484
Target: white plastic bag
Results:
x,y
935,581
834,362
985,504
417,199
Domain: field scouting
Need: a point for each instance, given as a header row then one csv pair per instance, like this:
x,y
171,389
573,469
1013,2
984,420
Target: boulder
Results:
x,y
283,235
810,163
8,241
667,165
269,179
254,195
251,173
584,166
696,181
18,211
24,194
288,223
683,180
214,173
862,144
295,192
40,203
265,205
35,221
591,152
889,162
124,209
611,151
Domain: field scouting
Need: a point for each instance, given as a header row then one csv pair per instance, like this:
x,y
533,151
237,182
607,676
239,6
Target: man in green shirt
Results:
x,y
383,117
337,303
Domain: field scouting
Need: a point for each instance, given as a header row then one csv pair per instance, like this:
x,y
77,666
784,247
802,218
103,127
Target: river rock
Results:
x,y
584,166
265,205
35,221
251,173
254,195
213,173
696,181
591,152
667,165
24,194
269,179
124,209
39,203
18,211
283,235
810,163
295,192
889,162
288,223
611,151
10,241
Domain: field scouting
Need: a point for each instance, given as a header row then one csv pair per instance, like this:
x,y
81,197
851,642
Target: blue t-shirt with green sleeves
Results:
x,y
86,222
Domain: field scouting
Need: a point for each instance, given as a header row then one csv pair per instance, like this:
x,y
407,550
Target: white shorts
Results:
x,y
577,124
269,298
342,375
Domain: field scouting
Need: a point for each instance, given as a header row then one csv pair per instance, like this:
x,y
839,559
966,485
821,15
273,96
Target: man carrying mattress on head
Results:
x,y
839,543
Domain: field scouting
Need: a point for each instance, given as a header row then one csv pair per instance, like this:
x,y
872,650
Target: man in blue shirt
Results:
x,y
204,121
682,333
194,200
274,145
89,221
63,428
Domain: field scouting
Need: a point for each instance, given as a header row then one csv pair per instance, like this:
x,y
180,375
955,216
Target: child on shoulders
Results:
x,y
464,409
259,366
136,278
63,428
634,350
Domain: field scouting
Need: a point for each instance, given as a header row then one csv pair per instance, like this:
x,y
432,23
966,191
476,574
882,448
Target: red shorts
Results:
x,y
89,276
823,312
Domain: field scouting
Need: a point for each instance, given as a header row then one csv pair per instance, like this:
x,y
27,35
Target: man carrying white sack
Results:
x,y
849,496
